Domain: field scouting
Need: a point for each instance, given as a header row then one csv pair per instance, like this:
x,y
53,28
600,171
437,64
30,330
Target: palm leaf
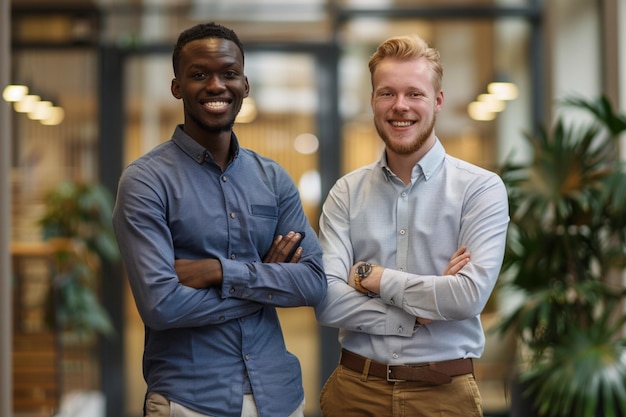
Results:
x,y
567,229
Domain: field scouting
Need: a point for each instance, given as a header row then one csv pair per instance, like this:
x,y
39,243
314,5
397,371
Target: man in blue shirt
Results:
x,y
205,228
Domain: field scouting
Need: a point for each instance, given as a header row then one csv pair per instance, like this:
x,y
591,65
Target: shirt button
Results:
x,y
233,256
222,318
404,194
232,291
395,356
247,357
400,329
233,215
402,232
270,296
224,178
392,301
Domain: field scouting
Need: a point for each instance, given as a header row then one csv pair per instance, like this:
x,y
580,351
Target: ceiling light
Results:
x,y
491,102
26,104
503,90
55,116
35,108
40,111
14,92
478,110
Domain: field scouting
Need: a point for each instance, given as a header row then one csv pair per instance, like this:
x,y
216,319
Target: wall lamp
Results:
x,y
43,111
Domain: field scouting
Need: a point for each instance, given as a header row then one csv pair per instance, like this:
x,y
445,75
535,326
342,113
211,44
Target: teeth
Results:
x,y
401,124
216,104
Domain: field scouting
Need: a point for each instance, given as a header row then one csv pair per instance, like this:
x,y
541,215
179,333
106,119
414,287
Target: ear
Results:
x,y
439,101
247,87
175,89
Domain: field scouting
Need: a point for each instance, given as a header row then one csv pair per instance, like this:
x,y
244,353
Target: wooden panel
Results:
x,y
36,376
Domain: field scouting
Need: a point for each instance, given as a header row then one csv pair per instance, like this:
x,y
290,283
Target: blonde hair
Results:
x,y
407,48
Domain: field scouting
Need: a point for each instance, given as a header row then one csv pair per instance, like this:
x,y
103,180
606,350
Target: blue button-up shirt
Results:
x,y
412,230
203,347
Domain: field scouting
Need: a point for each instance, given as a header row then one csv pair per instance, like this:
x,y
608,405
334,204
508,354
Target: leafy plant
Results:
x,y
77,224
567,235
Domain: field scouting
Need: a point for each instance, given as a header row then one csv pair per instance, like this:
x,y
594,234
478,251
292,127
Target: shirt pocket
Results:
x,y
264,211
262,224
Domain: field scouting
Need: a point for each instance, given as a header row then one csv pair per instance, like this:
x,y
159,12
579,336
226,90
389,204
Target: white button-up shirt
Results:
x,y
412,230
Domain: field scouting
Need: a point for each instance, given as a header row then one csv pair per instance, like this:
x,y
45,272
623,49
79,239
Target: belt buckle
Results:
x,y
389,378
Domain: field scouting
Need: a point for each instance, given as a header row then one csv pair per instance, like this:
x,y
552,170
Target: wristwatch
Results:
x,y
362,271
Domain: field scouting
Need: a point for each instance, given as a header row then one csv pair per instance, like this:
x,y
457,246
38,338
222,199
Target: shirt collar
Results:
x,y
432,160
196,151
427,165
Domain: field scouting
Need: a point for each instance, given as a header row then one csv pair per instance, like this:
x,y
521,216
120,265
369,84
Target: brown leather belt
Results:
x,y
437,373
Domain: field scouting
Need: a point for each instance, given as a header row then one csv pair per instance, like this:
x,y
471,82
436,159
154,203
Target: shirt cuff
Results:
x,y
392,287
235,278
399,323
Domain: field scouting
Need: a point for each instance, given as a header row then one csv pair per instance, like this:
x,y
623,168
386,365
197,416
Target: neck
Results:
x,y
217,143
402,164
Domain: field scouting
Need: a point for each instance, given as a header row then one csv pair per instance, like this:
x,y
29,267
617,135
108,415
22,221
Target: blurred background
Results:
x,y
105,68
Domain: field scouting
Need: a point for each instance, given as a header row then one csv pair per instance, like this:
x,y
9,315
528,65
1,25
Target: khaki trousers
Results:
x,y
159,406
350,394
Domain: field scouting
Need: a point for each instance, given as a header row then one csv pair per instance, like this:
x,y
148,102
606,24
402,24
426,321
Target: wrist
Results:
x,y
357,284
362,272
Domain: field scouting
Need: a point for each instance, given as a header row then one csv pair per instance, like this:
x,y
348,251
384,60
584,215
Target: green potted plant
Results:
x,y
77,225
567,236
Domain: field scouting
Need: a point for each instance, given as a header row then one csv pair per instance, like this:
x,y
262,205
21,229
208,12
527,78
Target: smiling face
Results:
x,y
211,82
405,104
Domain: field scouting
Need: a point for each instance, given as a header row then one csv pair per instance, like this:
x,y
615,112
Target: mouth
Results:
x,y
216,105
401,123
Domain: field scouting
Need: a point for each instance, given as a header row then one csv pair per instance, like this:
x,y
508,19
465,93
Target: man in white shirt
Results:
x,y
408,333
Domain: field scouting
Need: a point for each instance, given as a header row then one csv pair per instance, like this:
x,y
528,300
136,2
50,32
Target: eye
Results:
x,y
198,75
231,74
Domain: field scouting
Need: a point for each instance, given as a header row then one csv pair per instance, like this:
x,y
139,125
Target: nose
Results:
x,y
215,83
400,103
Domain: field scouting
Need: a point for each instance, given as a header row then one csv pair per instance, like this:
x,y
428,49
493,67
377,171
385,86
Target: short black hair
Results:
x,y
203,31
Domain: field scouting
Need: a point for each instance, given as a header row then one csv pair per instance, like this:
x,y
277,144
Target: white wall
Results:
x,y
575,46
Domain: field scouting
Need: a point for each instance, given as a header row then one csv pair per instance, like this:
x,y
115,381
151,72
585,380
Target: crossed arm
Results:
x,y
205,273
371,283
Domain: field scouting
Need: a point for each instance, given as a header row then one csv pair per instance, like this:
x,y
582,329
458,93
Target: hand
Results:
x,y
458,260
282,247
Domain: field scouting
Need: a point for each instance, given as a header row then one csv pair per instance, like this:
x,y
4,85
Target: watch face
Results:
x,y
364,269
